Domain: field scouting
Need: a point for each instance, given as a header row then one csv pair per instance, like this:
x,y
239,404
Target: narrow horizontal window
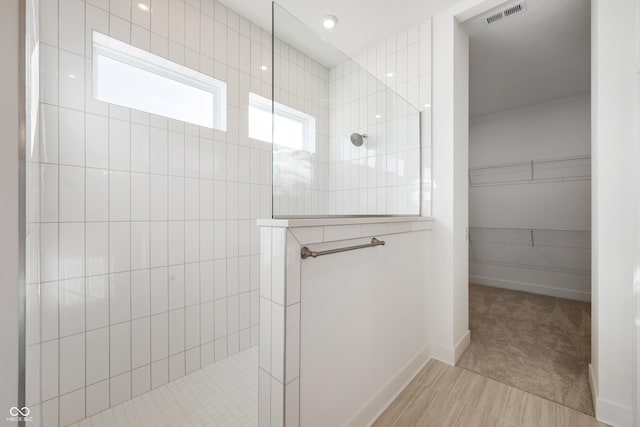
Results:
x,y
130,77
291,128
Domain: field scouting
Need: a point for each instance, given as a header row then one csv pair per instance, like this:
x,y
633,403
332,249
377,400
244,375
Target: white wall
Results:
x,y
448,289
564,205
361,328
9,271
460,191
551,130
614,215
559,128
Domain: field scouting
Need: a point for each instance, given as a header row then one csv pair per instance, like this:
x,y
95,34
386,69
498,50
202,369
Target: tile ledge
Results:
x,y
328,221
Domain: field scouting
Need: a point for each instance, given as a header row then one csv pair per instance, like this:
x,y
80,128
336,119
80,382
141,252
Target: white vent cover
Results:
x,y
512,9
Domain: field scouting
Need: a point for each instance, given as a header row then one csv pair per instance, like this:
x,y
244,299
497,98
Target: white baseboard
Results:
x,y
608,412
377,405
531,287
462,345
450,355
593,386
443,354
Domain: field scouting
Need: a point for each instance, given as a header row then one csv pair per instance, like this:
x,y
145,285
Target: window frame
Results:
x,y
119,51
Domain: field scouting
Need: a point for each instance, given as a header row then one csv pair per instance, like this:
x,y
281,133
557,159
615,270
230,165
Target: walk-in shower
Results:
x,y
142,245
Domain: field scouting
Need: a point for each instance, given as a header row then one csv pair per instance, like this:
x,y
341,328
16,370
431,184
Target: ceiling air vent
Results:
x,y
493,18
509,11
513,10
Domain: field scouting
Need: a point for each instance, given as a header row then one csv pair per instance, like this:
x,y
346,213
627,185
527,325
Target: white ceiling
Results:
x,y
530,58
297,34
361,22
537,56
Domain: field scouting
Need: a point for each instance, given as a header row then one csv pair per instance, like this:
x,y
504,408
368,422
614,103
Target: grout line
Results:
x,y
121,323
200,305
107,281
166,165
130,256
58,212
149,121
184,254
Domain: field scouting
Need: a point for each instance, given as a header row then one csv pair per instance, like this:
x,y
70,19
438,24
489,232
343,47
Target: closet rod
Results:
x,y
530,229
528,162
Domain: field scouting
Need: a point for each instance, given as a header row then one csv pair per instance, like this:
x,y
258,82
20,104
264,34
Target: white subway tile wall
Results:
x,y
386,176
143,249
403,62
300,177
279,349
383,175
384,93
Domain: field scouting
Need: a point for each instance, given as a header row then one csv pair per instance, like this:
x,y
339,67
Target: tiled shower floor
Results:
x,y
223,394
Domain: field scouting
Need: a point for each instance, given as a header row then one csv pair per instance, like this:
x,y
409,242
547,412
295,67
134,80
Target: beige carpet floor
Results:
x,y
536,343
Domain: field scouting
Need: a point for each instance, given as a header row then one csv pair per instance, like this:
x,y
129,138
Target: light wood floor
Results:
x,y
442,395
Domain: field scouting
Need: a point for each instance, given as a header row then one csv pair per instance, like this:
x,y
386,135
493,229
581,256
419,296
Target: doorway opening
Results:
x,y
530,198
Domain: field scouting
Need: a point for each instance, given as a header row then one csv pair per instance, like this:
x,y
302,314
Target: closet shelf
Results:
x,y
550,249
577,168
580,271
554,230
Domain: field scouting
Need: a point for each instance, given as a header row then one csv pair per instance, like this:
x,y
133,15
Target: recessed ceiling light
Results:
x,y
427,105
329,22
263,67
72,76
378,116
389,74
143,6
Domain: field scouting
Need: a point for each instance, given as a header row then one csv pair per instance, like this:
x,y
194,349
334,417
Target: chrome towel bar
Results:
x,y
305,252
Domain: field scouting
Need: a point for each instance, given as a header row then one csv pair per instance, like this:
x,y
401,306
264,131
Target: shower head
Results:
x,y
357,139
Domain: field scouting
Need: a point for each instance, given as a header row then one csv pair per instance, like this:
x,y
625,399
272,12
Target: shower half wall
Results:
x,y
344,324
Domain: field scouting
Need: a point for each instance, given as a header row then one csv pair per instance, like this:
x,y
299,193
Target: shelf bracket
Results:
x,y
531,170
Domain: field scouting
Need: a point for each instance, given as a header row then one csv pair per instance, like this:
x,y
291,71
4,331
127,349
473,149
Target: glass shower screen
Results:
x,y
344,144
